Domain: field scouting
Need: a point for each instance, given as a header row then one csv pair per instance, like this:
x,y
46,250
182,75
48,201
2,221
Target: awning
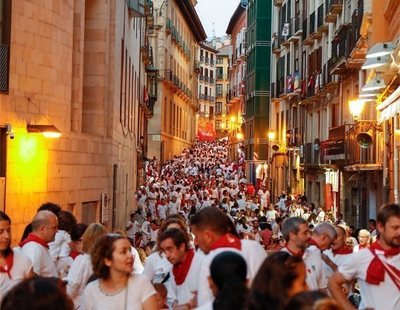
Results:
x,y
390,106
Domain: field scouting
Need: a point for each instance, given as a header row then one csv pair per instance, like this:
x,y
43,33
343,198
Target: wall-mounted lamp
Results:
x,y
381,49
356,108
48,131
374,84
271,135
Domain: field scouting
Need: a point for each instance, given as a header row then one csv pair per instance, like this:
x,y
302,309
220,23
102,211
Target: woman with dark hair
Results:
x,y
14,267
228,272
38,294
116,287
279,278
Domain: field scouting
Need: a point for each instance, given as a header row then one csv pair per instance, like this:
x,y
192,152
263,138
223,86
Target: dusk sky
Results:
x,y
218,12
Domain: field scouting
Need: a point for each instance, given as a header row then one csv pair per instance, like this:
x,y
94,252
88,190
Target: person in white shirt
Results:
x,y
364,238
214,234
81,268
162,209
116,287
132,227
14,267
173,205
186,263
35,246
376,269
146,229
297,234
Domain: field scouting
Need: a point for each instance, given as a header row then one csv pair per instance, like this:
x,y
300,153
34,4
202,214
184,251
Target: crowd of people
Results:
x,y
203,237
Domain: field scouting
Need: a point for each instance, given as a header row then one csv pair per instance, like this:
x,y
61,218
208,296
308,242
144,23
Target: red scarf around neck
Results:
x,y
344,250
298,254
181,270
33,238
9,263
227,241
376,269
311,241
74,254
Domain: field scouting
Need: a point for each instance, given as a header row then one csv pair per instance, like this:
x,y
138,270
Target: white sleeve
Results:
x,y
148,269
146,288
349,268
204,294
33,253
137,263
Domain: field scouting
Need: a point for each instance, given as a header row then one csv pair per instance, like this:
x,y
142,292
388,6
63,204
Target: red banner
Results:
x,y
205,130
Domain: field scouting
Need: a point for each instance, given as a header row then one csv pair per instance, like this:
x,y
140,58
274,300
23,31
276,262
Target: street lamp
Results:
x,y
356,108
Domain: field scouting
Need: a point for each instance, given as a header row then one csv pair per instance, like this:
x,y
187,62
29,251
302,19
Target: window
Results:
x,y
218,123
220,73
218,107
219,89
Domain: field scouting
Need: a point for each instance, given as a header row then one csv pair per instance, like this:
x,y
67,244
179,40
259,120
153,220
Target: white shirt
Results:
x,y
138,290
254,255
384,296
316,279
183,293
19,271
173,207
60,246
78,275
162,211
132,230
137,263
43,264
338,260
156,267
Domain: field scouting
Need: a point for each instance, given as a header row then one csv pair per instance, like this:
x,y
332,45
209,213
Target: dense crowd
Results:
x,y
204,237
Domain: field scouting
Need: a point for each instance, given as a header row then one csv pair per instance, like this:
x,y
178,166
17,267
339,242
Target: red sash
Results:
x,y
9,263
343,251
181,270
33,238
376,269
227,241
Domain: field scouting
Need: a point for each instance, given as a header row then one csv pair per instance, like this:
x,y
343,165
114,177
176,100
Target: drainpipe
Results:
x,y
395,162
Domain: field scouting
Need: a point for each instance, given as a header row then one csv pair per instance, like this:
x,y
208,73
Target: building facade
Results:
x,y
178,31
237,81
222,91
319,48
75,67
207,77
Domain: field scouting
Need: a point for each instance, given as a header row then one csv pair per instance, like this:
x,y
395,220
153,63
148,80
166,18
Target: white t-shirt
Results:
x,y
338,260
156,267
137,263
173,207
78,275
254,255
316,279
138,290
60,246
183,293
43,264
162,211
384,296
19,271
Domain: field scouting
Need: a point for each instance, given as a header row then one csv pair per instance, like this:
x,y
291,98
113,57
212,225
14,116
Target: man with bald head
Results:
x,y
35,246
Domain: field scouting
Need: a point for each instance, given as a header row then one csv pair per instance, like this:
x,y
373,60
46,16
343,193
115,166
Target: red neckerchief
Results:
x,y
181,270
376,269
74,254
344,250
298,254
227,241
33,238
9,263
311,241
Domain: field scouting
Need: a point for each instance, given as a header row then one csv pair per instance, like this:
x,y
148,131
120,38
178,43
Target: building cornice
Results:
x,y
234,19
193,20
209,48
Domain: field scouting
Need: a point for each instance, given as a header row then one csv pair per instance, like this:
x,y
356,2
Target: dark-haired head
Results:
x,y
103,252
38,294
228,273
280,276
312,300
5,228
49,206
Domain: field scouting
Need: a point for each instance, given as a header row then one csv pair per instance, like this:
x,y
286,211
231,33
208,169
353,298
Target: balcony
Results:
x,y
330,82
212,81
321,26
340,51
207,60
212,62
202,97
276,44
332,9
358,45
136,8
312,34
206,79
295,27
311,155
201,58
293,137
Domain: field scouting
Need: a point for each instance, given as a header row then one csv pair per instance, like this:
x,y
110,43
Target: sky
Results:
x,y
218,12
